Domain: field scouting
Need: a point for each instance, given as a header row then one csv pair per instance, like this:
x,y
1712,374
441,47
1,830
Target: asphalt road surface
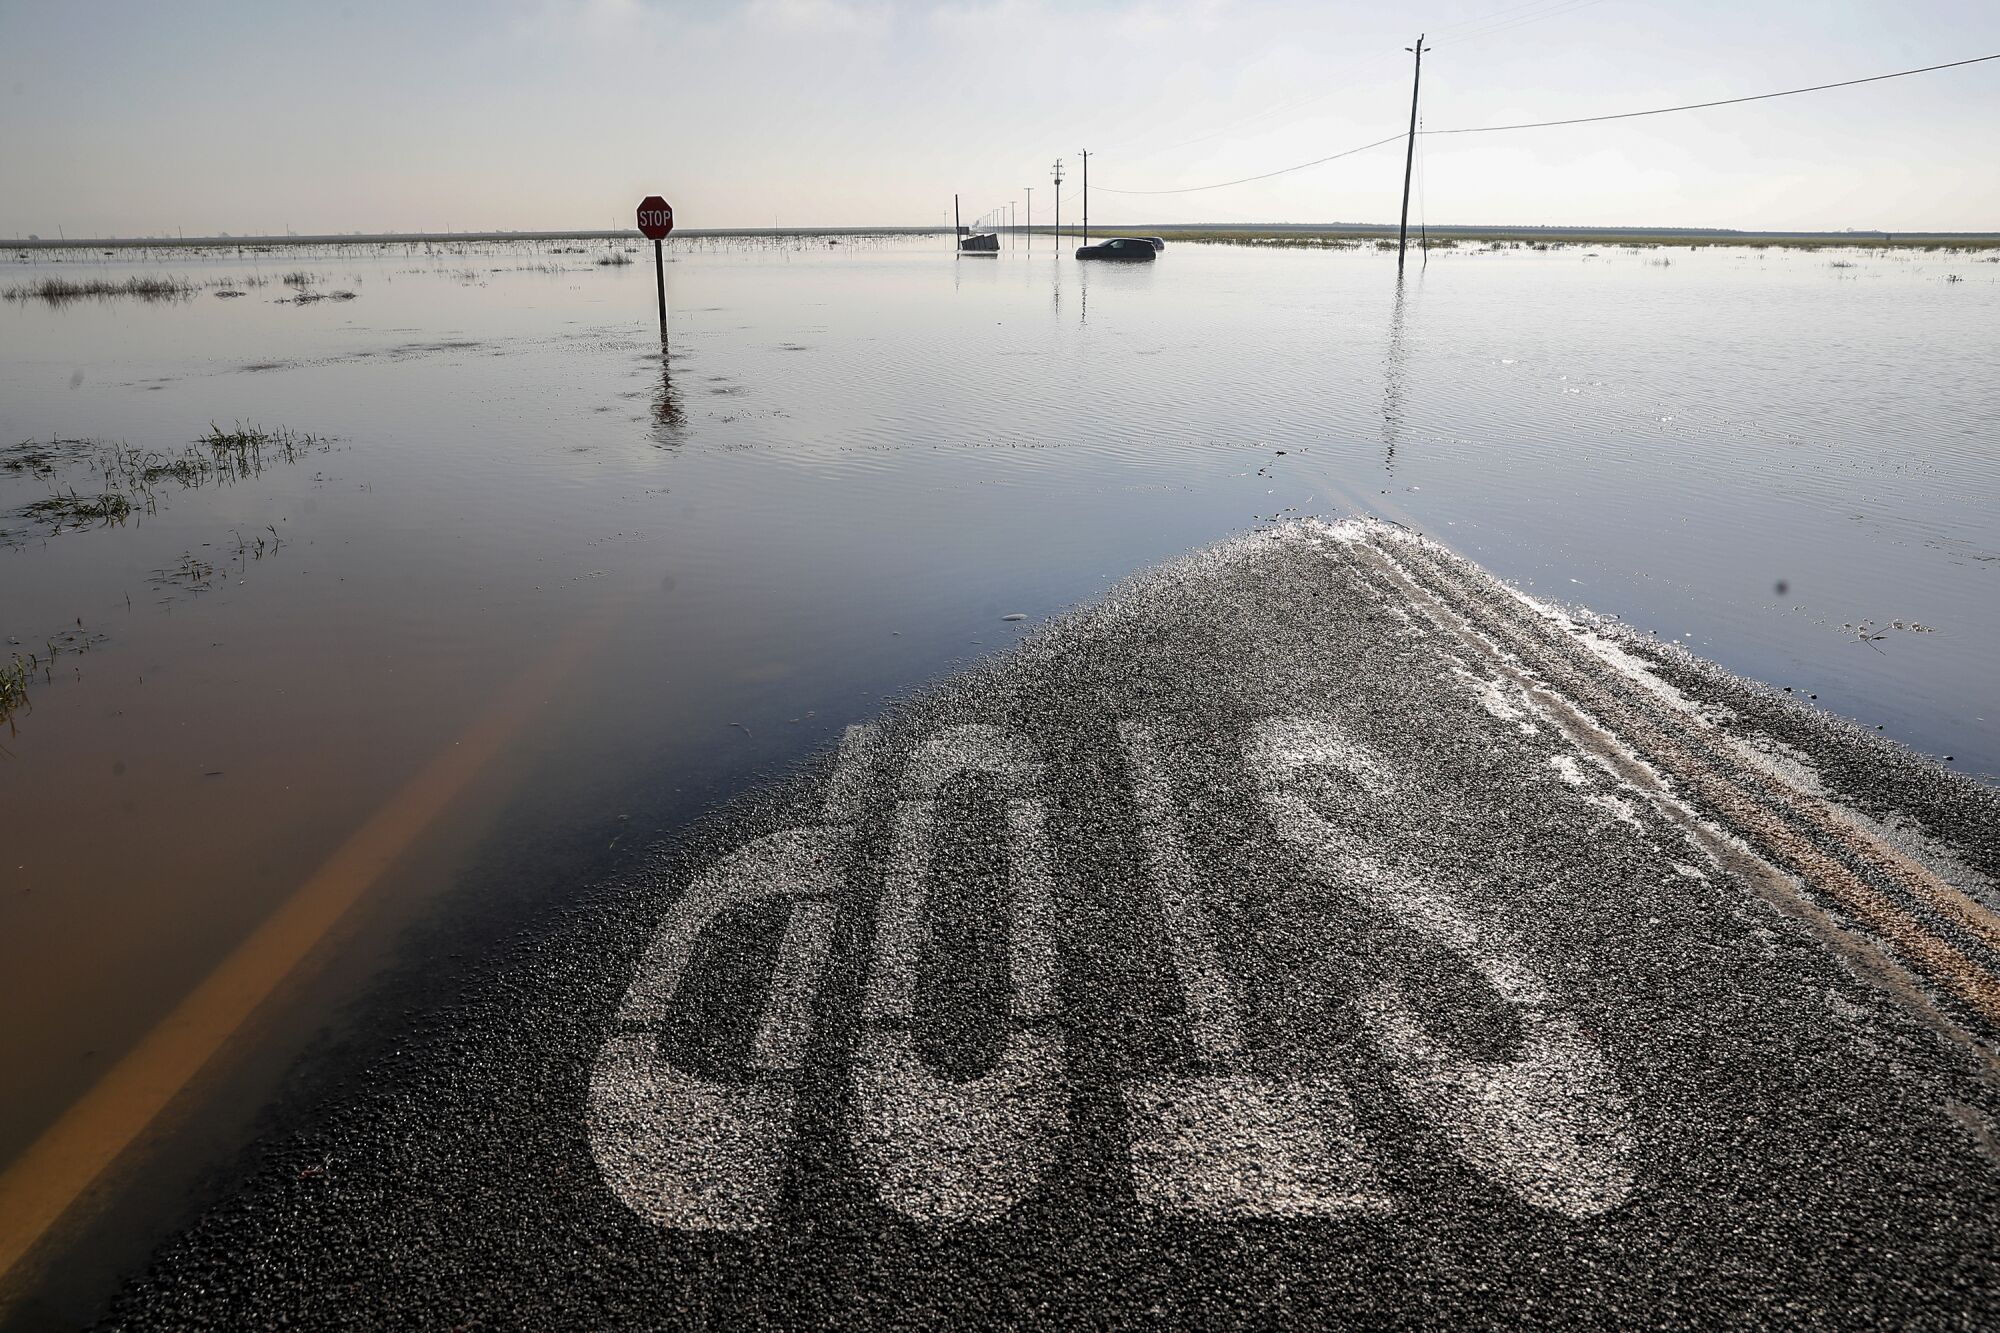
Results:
x,y
1316,933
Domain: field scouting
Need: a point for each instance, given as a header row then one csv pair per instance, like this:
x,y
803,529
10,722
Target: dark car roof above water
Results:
x,y
1118,247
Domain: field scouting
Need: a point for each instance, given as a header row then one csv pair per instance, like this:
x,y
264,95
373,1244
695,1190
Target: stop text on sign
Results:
x,y
1550,1125
656,217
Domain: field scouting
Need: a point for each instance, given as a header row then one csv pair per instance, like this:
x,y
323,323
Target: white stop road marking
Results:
x,y
1549,1125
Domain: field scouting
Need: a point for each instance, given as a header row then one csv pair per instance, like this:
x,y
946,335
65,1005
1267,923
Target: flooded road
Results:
x,y
1312,926
533,595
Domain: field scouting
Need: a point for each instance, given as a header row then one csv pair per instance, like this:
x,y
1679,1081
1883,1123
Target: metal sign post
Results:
x,y
656,219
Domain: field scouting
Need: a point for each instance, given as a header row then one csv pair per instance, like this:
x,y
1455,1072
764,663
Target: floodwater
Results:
x,y
530,595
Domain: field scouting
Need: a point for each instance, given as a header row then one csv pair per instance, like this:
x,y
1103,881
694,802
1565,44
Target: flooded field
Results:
x,y
359,600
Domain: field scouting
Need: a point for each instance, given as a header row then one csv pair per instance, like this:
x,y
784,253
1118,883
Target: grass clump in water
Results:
x,y
238,439
123,481
13,686
242,442
40,459
70,508
64,291
613,257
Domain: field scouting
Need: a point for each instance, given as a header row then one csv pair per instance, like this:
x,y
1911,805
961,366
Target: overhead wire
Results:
x,y
1503,17
1245,180
1545,8
1574,120
1238,124
1276,109
1725,101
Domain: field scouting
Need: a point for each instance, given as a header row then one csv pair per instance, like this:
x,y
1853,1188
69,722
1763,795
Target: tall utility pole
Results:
x,y
1086,196
1059,181
1031,215
1410,152
957,230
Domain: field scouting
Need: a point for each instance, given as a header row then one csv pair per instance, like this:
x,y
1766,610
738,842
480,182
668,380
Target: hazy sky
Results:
x,y
142,118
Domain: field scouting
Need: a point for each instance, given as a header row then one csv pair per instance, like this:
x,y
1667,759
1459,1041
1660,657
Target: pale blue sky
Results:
x,y
137,118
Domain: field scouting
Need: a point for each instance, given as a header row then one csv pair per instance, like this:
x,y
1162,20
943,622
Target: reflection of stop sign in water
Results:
x,y
656,217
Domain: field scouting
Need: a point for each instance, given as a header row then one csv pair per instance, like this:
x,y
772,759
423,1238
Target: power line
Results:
x,y
1726,101
1500,20
1577,120
1238,124
1245,180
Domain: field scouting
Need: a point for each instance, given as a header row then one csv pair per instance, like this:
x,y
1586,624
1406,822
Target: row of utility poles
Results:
x,y
1409,163
1056,175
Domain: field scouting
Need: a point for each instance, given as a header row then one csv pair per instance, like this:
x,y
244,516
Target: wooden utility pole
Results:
x,y
956,229
1031,215
1410,153
1059,181
1087,197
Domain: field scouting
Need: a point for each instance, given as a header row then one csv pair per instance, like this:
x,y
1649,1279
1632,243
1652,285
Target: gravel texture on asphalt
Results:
x,y
1315,932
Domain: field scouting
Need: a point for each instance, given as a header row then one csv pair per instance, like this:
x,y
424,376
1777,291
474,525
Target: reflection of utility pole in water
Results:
x,y
1394,370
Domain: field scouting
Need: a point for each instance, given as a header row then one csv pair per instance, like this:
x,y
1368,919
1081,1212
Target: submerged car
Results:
x,y
1118,247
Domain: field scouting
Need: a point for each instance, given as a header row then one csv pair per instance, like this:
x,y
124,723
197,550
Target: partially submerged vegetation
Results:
x,y
18,672
60,291
123,480
69,509
41,459
13,685
63,291
99,483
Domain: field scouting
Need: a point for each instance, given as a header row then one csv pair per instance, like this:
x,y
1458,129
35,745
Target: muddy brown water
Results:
x,y
631,584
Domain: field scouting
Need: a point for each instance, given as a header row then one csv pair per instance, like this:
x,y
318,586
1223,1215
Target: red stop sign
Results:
x,y
656,217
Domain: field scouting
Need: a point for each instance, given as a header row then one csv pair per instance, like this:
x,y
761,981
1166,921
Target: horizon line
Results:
x,y
1858,235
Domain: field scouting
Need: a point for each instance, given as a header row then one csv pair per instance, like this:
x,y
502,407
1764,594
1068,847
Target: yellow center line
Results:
x,y
42,1184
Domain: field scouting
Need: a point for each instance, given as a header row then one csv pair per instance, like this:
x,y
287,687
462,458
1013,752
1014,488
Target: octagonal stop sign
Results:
x,y
656,217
